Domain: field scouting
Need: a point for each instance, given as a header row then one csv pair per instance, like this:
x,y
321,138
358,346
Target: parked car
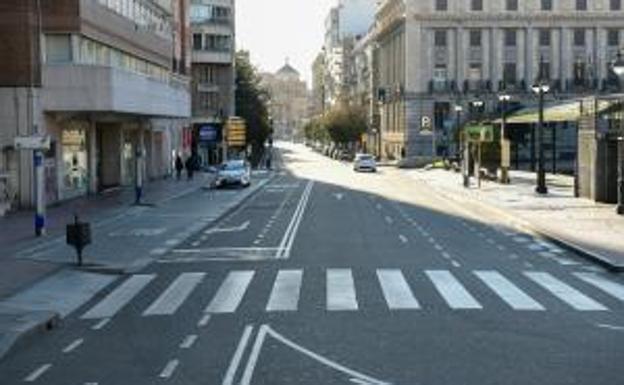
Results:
x,y
233,172
365,162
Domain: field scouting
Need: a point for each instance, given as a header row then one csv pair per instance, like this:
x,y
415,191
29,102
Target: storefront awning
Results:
x,y
565,111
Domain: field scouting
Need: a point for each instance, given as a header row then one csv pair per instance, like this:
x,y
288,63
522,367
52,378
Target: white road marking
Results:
x,y
175,295
378,206
73,346
438,247
388,220
253,356
172,242
341,290
446,255
291,231
612,288
425,233
455,295
611,327
286,289
364,379
119,297
158,251
238,355
490,241
169,369
204,320
431,240
396,290
456,264
520,239
509,292
231,292
402,238
501,247
535,247
32,377
189,341
195,244
566,293
100,325
234,229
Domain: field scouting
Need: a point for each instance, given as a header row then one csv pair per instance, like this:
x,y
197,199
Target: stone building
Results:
x,y
435,54
289,102
213,92
105,80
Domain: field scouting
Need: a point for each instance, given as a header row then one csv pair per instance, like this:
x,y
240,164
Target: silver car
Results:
x,y
364,162
233,172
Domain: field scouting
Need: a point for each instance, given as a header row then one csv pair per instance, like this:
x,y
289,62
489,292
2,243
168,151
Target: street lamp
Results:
x,y
618,68
541,88
458,111
505,151
475,105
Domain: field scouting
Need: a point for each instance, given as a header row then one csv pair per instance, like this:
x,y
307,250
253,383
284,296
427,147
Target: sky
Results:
x,y
273,30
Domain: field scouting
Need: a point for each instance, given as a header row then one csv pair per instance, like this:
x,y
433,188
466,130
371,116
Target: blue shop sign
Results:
x,y
209,133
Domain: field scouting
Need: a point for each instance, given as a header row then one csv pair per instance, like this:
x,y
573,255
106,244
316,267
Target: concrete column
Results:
x,y
566,59
601,53
497,57
92,153
532,47
486,54
555,63
452,54
521,52
462,56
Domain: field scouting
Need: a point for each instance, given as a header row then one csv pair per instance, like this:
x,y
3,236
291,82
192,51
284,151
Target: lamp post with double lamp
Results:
x,y
458,111
541,88
475,105
505,147
618,68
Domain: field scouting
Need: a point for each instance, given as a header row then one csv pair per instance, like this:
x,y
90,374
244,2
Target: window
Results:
x,y
477,5
475,38
440,73
579,73
440,38
616,5
544,70
613,37
544,37
509,73
441,5
547,5
579,37
512,5
510,38
58,49
197,41
581,5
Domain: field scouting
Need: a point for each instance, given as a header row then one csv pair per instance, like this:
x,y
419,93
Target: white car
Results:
x,y
233,172
364,162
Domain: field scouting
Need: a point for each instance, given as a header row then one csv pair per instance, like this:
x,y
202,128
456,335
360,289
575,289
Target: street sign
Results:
x,y
32,142
425,123
236,132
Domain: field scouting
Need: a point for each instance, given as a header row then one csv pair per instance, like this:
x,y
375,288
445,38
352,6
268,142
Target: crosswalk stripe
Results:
x,y
509,292
286,289
612,288
119,297
340,290
455,295
396,290
565,292
231,292
175,295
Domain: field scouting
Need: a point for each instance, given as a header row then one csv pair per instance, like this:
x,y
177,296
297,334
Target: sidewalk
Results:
x,y
39,282
591,228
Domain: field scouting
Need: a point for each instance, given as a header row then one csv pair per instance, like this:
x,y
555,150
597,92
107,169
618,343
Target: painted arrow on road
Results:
x,y
339,196
216,230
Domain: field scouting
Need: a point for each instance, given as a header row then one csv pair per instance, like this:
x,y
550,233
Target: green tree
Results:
x,y
345,124
315,130
251,105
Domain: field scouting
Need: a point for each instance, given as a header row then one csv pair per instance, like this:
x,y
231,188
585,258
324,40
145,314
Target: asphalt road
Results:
x,y
330,277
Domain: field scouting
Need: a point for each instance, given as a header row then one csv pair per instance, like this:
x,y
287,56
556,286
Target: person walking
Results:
x,y
179,166
190,166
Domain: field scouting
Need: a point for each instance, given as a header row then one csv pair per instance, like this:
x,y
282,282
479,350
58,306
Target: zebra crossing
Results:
x,y
400,291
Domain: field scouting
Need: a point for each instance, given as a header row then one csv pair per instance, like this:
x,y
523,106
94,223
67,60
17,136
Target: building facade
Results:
x,y
98,78
213,74
289,100
436,54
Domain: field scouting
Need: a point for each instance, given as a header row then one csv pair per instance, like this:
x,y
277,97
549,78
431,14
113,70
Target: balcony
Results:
x,y
91,88
218,57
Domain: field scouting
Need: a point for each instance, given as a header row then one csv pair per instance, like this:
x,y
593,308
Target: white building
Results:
x,y
435,54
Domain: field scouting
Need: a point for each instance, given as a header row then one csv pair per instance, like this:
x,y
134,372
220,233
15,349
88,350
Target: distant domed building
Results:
x,y
289,102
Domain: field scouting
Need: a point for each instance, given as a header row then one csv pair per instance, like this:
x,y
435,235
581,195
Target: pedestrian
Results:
x,y
179,166
190,167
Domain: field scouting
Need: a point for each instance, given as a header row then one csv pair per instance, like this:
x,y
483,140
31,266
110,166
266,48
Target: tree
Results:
x,y
315,130
345,124
251,104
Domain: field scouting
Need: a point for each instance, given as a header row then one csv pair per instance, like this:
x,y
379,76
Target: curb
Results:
x,y
526,226
31,325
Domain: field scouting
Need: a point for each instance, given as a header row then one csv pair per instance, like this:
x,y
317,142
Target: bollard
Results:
x,y
79,236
